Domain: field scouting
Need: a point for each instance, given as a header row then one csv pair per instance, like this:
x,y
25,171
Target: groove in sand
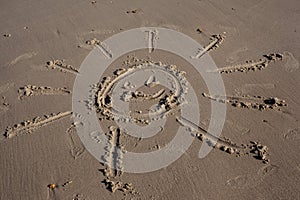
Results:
x,y
216,40
30,125
251,65
62,66
31,90
250,102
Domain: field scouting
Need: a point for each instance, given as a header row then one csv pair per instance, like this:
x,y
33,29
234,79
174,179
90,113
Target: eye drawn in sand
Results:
x,y
151,81
252,180
28,126
251,65
250,102
216,40
61,66
31,90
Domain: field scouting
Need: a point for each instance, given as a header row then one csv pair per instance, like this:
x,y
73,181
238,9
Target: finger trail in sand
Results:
x,y
251,65
29,126
31,90
250,102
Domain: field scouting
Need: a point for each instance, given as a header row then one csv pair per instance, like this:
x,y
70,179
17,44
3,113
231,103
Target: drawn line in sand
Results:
x,y
29,126
250,102
31,90
62,66
151,82
152,38
114,152
101,46
255,149
251,65
216,40
203,135
104,49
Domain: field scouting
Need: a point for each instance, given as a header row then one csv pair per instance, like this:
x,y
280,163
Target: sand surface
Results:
x,y
255,45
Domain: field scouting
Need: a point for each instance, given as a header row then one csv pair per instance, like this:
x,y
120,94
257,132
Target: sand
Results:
x,y
255,45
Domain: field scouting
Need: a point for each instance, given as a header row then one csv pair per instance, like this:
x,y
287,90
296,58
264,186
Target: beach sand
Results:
x,y
43,44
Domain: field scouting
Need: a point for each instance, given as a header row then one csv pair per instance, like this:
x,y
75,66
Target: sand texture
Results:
x,y
255,46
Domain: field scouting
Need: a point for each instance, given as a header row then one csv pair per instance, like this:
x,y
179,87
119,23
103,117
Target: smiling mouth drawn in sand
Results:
x,y
168,104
